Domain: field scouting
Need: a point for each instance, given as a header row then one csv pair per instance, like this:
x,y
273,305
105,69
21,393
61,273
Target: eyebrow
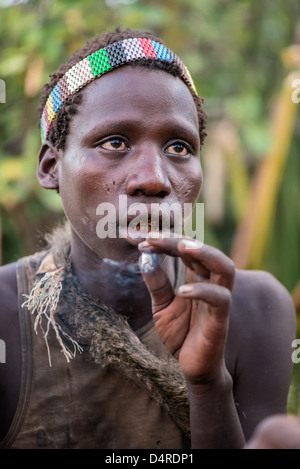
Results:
x,y
107,127
123,125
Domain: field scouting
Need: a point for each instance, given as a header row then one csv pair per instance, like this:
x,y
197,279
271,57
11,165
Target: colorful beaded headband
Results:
x,y
101,62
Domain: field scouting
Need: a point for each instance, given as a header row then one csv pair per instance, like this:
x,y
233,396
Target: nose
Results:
x,y
149,177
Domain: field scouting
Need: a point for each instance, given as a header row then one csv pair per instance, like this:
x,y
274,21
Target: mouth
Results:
x,y
136,233
150,225
137,230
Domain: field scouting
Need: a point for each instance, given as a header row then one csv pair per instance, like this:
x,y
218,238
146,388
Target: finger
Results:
x,y
214,319
217,296
170,247
206,260
161,245
159,287
221,267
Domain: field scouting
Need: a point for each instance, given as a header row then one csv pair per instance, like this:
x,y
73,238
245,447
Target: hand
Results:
x,y
276,432
193,323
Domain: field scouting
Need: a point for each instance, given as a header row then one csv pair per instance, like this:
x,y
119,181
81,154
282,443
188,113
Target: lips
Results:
x,y
150,225
137,231
148,218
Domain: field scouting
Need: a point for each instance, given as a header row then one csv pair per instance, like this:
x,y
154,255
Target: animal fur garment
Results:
x,y
112,342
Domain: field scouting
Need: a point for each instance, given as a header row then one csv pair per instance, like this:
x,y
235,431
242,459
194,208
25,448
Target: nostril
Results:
x,y
160,194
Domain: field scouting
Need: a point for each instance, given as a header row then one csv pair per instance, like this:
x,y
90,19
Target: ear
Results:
x,y
47,171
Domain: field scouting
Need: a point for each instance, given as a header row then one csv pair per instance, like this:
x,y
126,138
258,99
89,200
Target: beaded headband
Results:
x,y
101,62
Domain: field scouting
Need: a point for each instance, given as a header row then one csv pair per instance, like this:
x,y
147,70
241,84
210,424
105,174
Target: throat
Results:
x,y
123,289
132,302
117,284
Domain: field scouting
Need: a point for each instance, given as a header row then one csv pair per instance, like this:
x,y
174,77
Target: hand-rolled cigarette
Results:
x,y
148,262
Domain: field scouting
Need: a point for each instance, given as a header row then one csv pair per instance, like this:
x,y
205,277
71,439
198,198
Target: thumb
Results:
x,y
157,282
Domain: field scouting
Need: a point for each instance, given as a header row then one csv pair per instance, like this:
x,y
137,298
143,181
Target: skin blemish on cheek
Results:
x,y
82,160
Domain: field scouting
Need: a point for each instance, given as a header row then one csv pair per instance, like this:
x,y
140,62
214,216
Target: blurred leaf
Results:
x,y
33,78
255,228
51,201
13,65
11,169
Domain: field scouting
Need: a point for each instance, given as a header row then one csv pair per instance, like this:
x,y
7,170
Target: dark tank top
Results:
x,y
79,404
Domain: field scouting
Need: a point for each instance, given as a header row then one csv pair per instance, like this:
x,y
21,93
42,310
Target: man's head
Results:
x,y
59,128
135,133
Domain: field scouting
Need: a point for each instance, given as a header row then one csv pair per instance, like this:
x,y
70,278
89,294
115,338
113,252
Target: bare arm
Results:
x,y
264,321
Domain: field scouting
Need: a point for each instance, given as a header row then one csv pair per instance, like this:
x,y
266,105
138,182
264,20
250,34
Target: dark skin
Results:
x,y
276,432
232,330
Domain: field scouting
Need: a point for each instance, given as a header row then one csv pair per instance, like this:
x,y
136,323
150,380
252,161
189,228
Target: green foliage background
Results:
x,y
236,51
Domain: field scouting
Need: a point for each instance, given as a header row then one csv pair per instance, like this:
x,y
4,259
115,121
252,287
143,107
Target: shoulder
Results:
x,y
259,346
8,272
263,318
8,284
8,298
10,337
261,294
23,269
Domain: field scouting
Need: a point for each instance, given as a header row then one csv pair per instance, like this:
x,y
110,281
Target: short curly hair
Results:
x,y
59,129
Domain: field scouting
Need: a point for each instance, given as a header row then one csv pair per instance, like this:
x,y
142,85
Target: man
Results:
x,y
100,354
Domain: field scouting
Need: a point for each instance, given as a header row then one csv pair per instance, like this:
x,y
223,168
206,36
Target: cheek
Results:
x,y
191,184
82,188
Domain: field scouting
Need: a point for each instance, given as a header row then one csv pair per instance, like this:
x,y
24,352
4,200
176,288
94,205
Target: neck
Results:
x,y
116,284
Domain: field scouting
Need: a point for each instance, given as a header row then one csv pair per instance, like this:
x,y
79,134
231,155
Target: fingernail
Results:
x,y
191,244
185,289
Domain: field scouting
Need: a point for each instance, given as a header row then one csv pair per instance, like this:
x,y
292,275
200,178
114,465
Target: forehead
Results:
x,y
136,92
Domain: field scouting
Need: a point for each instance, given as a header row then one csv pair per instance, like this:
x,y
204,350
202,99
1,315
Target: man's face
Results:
x,y
135,135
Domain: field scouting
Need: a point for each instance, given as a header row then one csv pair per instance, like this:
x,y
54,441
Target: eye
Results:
x,y
177,148
114,144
